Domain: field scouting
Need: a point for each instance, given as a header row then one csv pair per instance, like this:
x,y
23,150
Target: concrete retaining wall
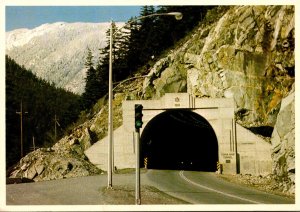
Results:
x,y
254,153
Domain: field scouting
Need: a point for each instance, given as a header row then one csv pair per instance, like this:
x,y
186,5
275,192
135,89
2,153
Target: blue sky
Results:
x,y
33,16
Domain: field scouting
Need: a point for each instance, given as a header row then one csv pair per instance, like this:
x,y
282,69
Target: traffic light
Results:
x,y
138,108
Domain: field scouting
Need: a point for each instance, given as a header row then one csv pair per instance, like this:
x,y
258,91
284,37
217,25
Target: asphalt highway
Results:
x,y
207,188
193,187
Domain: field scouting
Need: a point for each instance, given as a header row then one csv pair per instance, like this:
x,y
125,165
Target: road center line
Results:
x,y
220,192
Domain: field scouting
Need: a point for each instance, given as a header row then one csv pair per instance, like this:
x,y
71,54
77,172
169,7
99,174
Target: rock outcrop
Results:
x,y
246,52
283,144
64,160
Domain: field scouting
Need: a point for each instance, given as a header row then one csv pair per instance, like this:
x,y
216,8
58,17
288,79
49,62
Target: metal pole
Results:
x,y
55,135
110,119
235,147
21,118
137,173
21,126
33,142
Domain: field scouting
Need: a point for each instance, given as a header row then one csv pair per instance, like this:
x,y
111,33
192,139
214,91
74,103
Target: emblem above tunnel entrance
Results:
x,y
178,100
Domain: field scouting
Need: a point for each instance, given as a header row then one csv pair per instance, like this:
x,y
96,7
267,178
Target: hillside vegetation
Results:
x,y
41,102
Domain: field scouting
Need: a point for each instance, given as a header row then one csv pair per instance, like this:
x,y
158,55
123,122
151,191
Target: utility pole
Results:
x,y
55,128
33,143
21,125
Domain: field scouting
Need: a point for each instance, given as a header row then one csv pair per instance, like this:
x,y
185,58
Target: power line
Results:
x,y
56,123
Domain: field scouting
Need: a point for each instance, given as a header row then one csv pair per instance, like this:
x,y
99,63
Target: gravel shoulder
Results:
x,y
267,184
126,195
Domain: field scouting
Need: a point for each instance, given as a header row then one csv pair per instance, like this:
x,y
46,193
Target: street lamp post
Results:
x,y
178,16
110,115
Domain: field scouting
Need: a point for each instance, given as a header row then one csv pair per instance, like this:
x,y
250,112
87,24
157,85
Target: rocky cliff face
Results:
x,y
283,144
246,53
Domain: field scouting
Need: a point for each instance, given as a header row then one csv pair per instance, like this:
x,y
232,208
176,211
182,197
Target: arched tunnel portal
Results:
x,y
179,140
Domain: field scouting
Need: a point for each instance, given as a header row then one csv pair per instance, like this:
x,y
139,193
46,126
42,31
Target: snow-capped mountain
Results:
x,y
57,52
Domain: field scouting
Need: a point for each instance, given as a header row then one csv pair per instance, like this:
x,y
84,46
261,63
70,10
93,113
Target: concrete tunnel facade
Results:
x,y
238,149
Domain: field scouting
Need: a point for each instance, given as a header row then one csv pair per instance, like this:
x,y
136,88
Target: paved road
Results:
x,y
207,188
72,191
193,187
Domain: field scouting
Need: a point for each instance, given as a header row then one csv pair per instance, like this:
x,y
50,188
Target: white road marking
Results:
x,y
220,192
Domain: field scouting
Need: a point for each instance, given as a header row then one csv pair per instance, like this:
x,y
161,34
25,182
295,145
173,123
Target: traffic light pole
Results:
x,y
137,173
138,123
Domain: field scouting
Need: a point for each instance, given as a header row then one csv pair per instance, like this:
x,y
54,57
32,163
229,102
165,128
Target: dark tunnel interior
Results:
x,y
179,140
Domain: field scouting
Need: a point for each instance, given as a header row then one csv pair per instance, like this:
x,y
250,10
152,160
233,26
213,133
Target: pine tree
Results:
x,y
146,32
95,81
89,59
119,52
132,58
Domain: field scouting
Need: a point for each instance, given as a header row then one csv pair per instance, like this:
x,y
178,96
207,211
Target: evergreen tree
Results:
x,y
146,32
97,78
89,59
121,66
132,58
89,97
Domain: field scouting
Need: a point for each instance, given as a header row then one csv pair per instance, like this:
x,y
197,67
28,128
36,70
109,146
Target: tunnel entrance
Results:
x,y
179,140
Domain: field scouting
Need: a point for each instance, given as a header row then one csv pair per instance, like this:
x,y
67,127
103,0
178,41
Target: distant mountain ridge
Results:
x,y
56,52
